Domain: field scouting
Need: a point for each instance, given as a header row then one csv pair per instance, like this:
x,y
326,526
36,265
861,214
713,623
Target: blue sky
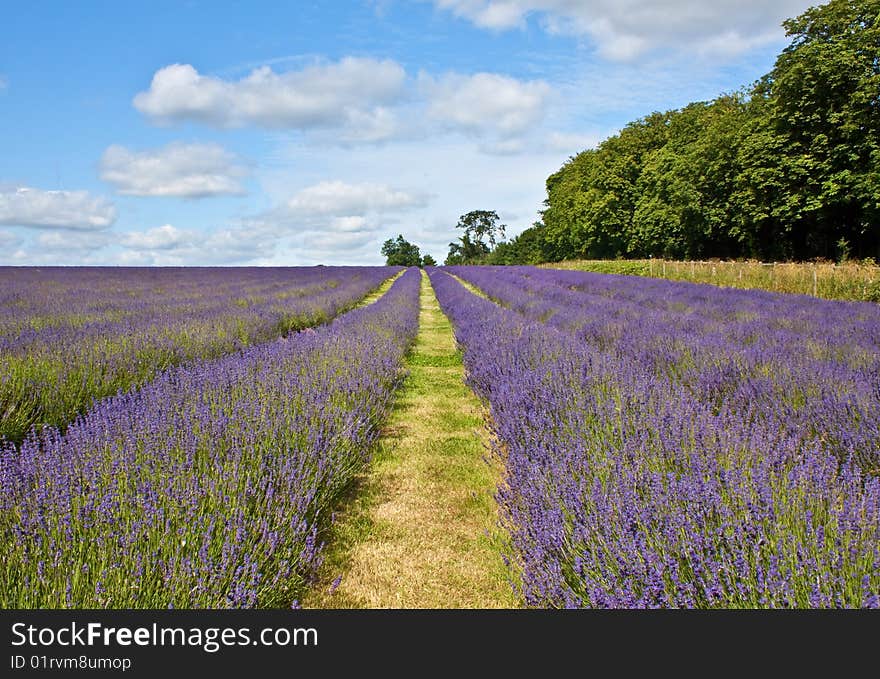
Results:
x,y
200,133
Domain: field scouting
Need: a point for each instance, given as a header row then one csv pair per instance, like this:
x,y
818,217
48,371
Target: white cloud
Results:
x,y
573,142
348,224
337,241
372,126
321,95
163,237
63,242
485,102
459,175
347,200
626,29
167,245
230,245
332,221
349,102
185,170
78,210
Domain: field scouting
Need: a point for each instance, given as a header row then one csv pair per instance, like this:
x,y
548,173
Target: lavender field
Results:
x,y
184,438
206,487
677,445
69,336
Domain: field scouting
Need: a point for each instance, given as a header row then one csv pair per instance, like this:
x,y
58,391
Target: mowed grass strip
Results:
x,y
420,528
381,290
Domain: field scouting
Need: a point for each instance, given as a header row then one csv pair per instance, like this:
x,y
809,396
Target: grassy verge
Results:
x,y
857,281
378,292
419,530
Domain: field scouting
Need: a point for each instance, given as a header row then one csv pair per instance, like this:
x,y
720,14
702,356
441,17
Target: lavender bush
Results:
x,y
671,445
208,486
69,336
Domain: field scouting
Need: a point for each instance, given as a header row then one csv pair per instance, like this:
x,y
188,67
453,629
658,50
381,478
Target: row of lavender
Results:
x,y
631,483
209,486
70,336
811,365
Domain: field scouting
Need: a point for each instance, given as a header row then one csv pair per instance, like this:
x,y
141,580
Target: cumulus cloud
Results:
x,y
77,210
485,102
349,102
342,199
184,170
623,30
333,221
321,95
168,245
348,224
163,237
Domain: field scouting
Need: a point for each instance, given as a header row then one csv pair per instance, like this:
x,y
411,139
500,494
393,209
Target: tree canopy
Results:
x,y
483,230
786,169
400,252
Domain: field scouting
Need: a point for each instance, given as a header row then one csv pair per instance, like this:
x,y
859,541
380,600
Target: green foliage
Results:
x,y
482,232
789,169
400,252
427,260
526,248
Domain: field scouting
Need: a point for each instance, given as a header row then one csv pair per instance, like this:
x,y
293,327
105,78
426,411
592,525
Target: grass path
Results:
x,y
419,530
381,290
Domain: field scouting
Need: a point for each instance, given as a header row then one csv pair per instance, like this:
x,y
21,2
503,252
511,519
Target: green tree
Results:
x,y
788,170
427,260
525,248
825,102
683,207
482,231
399,252
592,200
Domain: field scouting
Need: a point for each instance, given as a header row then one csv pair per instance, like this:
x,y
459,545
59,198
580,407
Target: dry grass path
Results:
x,y
381,290
419,530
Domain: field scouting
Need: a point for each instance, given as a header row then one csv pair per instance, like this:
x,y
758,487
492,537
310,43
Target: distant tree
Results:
x,y
427,260
400,252
482,232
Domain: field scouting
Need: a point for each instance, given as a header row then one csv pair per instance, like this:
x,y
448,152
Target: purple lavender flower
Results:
x,y
676,445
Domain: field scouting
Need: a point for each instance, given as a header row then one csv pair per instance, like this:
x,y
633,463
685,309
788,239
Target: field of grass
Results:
x,y
856,281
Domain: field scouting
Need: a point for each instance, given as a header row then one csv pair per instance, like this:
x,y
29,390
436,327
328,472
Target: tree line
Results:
x,y
788,169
